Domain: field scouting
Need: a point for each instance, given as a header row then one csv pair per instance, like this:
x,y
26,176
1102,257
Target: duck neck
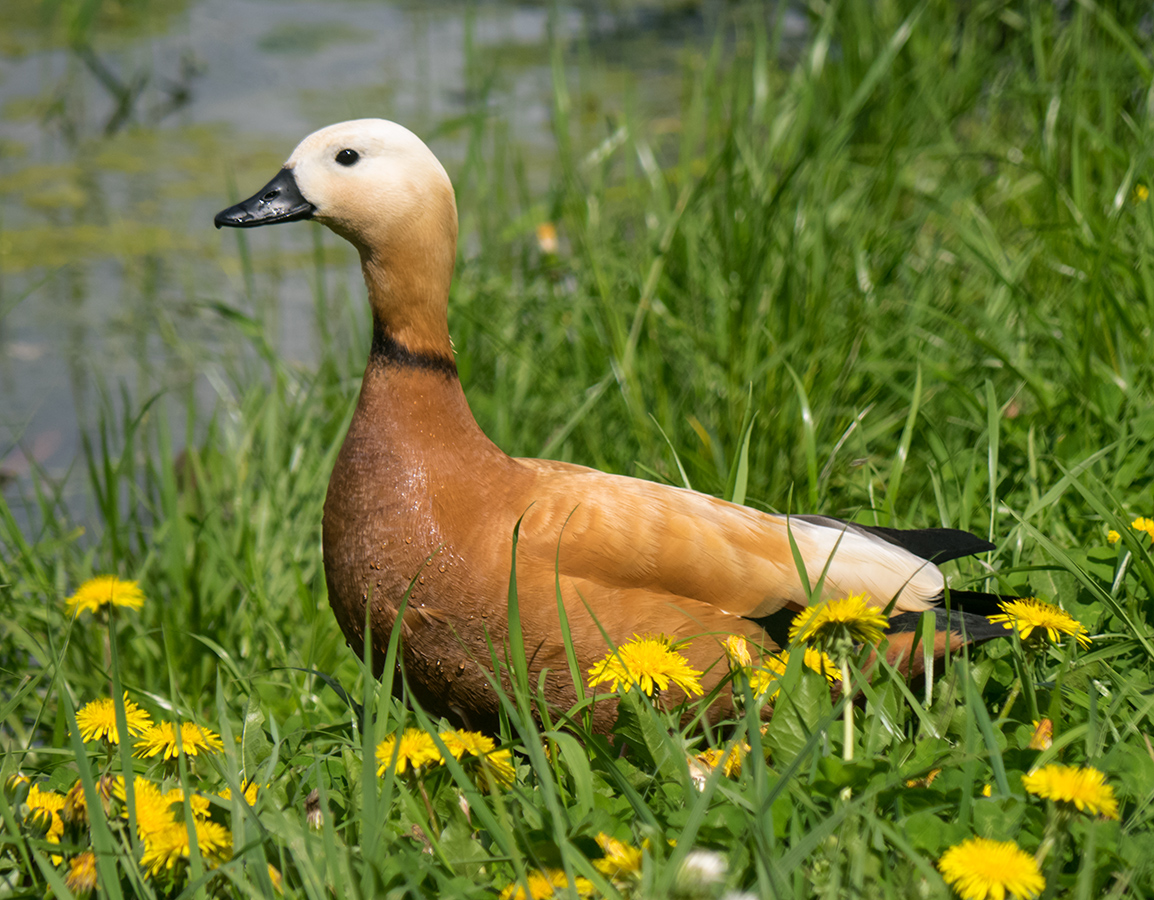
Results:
x,y
411,398
411,404
408,279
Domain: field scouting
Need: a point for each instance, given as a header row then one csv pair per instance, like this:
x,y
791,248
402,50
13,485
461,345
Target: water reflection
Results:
x,y
124,133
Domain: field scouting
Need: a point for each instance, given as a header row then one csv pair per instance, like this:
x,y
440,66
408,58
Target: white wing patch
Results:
x,y
865,563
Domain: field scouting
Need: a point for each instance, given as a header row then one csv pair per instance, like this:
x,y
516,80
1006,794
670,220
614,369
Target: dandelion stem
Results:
x,y
1045,847
1026,674
847,749
109,624
1015,692
1053,837
436,828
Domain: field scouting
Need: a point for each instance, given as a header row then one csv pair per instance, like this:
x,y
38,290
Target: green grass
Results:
x,y
909,272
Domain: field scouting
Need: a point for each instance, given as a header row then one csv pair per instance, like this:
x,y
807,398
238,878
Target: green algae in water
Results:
x,y
300,38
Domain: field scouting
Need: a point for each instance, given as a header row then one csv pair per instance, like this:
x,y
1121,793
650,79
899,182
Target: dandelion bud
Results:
x,y
108,786
39,821
737,650
81,877
16,788
75,809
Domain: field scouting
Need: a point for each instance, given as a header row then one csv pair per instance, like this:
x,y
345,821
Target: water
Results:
x,y
114,156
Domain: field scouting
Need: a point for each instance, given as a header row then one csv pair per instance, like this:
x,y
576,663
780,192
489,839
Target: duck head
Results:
x,y
377,185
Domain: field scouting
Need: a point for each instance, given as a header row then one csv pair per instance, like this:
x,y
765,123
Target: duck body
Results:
x,y
422,507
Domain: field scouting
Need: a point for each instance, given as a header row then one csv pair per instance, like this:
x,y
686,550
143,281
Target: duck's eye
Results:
x,y
348,157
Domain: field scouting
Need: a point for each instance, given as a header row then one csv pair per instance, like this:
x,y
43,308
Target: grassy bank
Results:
x,y
905,277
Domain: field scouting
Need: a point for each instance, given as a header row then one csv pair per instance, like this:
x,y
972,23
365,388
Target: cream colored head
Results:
x,y
376,184
369,178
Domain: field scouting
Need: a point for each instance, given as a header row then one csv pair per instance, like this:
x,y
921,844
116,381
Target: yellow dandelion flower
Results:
x,y
987,791
822,663
276,878
153,809
81,877
982,869
157,809
1030,613
547,238
710,758
1082,787
737,651
735,757
765,677
417,749
105,590
499,763
113,786
460,742
162,739
249,794
619,860
730,758
169,846
98,720
1113,537
1141,193
197,803
850,620
1143,524
651,663
545,884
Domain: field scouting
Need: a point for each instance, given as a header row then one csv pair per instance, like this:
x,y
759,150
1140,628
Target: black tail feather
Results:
x,y
976,602
968,614
976,628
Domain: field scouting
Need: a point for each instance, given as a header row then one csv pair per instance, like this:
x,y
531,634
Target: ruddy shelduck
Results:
x,y
422,504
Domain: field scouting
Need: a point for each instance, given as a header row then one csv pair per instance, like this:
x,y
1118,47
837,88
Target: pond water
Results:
x,y
120,138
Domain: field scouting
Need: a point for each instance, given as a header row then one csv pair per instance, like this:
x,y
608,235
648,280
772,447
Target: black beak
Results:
x,y
278,201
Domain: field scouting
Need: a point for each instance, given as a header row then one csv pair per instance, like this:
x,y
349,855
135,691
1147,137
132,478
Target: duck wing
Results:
x,y
627,533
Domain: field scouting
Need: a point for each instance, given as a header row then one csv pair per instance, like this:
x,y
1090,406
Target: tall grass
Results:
x,y
903,277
